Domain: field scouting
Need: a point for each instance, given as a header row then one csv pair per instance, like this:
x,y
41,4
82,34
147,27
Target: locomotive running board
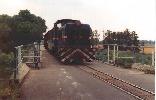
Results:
x,y
77,50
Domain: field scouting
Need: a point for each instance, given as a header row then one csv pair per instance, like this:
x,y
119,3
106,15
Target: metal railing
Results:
x,y
29,54
112,53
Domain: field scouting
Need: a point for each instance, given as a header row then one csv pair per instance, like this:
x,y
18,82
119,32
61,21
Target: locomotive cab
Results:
x,y
72,33
78,35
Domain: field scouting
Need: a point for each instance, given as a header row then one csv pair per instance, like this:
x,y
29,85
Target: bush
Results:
x,y
5,65
145,68
126,63
6,59
145,58
125,54
101,55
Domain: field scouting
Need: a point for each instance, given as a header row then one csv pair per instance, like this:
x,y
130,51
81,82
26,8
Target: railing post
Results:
x,y
39,50
34,49
153,58
36,53
117,54
134,57
117,50
108,54
114,54
18,60
142,59
19,57
15,62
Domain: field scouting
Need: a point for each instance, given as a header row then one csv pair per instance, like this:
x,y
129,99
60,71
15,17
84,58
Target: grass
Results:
x,y
5,72
4,81
8,90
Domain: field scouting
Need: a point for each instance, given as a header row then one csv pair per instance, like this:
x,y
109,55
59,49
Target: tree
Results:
x,y
95,37
125,38
27,28
5,31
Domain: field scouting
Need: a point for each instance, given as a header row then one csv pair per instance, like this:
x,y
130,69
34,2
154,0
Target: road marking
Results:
x,y
64,72
75,84
69,77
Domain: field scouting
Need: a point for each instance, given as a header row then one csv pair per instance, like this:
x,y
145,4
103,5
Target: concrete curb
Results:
x,y
22,73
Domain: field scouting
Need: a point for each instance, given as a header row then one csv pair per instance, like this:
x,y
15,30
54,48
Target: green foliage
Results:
x,y
101,42
101,55
6,59
143,58
147,42
20,29
5,19
125,53
5,65
125,38
125,62
95,37
5,30
27,27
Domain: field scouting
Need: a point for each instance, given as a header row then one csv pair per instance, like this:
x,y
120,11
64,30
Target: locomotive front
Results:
x,y
70,41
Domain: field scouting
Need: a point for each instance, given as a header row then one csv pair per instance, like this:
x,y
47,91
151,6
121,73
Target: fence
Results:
x,y
121,54
29,54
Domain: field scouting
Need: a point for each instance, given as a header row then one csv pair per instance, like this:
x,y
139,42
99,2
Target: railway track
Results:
x,y
127,87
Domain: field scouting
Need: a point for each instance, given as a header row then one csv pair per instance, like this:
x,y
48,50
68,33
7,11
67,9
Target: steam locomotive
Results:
x,y
70,41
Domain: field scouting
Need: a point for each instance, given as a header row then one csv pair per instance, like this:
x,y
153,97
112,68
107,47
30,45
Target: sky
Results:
x,y
102,15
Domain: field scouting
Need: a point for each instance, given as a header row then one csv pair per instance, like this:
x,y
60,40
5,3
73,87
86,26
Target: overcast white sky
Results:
x,y
115,15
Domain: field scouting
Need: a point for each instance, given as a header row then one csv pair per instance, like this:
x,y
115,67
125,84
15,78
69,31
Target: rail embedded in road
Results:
x,y
134,90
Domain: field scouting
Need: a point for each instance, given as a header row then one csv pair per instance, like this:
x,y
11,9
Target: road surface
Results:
x,y
55,81
146,81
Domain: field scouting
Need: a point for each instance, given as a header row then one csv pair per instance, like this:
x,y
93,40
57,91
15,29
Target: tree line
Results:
x,y
126,39
20,29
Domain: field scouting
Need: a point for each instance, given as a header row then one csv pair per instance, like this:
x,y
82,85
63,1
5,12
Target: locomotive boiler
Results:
x,y
70,41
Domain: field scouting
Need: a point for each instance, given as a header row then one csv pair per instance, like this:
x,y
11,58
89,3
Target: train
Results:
x,y
70,41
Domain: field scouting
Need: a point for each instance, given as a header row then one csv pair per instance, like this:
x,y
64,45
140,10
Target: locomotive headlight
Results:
x,y
64,37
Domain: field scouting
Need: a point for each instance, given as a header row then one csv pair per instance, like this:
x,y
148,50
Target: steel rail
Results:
x,y
129,88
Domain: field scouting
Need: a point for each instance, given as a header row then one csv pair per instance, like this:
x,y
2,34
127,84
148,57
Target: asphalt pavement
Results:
x,y
55,81
146,81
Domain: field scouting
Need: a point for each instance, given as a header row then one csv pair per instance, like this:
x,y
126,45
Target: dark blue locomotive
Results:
x,y
70,41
